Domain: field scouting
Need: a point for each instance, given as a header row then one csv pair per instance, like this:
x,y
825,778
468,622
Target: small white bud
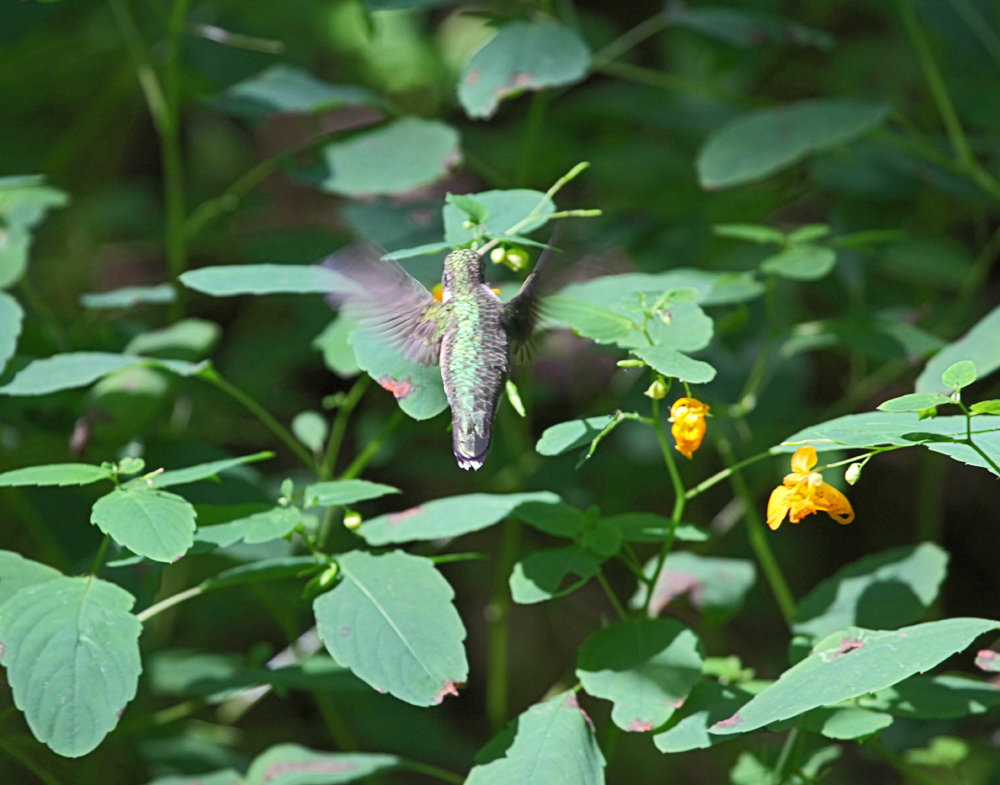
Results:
x,y
853,473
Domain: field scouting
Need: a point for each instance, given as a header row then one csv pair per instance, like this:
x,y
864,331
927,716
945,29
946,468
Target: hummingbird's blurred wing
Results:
x,y
387,301
520,314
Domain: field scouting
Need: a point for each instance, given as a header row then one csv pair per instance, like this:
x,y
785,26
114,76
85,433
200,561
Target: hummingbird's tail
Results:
x,y
471,438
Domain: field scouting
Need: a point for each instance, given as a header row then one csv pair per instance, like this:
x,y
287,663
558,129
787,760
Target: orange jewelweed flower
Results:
x,y
804,492
688,429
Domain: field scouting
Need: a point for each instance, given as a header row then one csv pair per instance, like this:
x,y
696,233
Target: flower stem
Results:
x,y
720,476
169,602
629,40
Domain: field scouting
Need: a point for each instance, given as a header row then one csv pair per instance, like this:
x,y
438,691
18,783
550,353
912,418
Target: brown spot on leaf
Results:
x,y
398,387
639,726
345,631
450,688
473,77
397,518
522,79
573,703
732,722
847,645
986,660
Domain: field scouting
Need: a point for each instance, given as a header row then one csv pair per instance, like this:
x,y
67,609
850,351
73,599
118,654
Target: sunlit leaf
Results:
x,y
236,279
505,209
418,388
188,339
935,697
149,522
708,703
714,585
204,471
801,263
291,764
16,572
914,402
978,345
567,436
326,494
338,355
11,318
55,474
79,369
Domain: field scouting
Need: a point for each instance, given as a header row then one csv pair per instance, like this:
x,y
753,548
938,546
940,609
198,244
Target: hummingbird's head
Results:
x,y
463,269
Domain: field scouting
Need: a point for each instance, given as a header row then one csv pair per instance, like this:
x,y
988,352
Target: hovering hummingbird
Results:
x,y
471,332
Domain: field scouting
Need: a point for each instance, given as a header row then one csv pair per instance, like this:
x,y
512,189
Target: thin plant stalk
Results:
x,y
498,613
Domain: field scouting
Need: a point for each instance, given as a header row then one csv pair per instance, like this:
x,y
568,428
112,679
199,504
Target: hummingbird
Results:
x,y
470,332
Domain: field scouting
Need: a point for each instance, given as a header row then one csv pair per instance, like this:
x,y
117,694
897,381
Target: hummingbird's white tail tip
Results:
x,y
470,463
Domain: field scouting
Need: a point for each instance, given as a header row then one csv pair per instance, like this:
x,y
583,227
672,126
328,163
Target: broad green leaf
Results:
x,y
311,429
521,56
221,777
851,663
746,28
204,471
333,342
750,770
393,158
392,622
716,586
961,374
449,517
188,339
947,751
278,568
765,141
558,519
881,591
753,233
587,319
713,288
55,474
418,388
236,279
914,402
149,522
16,572
542,575
708,703
934,697
674,364
986,407
25,199
327,494
259,527
506,209
292,764
11,317
284,88
129,297
567,436
687,328
79,369
71,650
801,263
551,744
646,667
477,211
978,345
838,722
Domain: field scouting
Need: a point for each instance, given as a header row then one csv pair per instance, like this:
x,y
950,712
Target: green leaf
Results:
x,y
914,402
689,329
506,209
978,345
674,364
853,662
129,297
291,764
338,355
708,703
947,751
278,568
284,88
602,539
959,375
393,158
204,471
79,369
149,522
71,650
25,199
260,527
236,279
222,777
449,517
327,494
881,591
311,429
808,233
189,339
16,572
838,722
477,211
714,288
521,56
392,622
986,407
715,586
745,28
559,519
765,141
934,697
587,319
55,474
568,436
801,263
417,388
647,667
542,575
552,744
753,233
11,318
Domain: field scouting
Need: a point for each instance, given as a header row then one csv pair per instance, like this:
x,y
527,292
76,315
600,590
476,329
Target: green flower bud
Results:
x,y
657,390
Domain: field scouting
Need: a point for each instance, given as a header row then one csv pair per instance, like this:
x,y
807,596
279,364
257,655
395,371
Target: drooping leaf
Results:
x,y
551,744
716,586
24,201
292,764
505,210
11,317
129,297
708,703
521,56
259,527
327,494
978,345
567,436
149,522
399,156
854,662
16,572
449,517
311,428
71,650
675,364
914,402
542,575
647,667
935,697
204,471
392,622
881,591
54,474
284,88
765,141
237,279
801,263
79,369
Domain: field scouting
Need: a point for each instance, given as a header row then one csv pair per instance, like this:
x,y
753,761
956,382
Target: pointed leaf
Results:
x,y
152,523
961,374
291,764
236,279
259,527
327,494
189,339
16,572
449,517
284,88
801,263
559,519
647,667
674,364
204,471
79,369
543,574
506,209
716,586
130,296
914,402
708,703
392,622
935,697
71,650
276,569
54,474
567,436
222,777
978,345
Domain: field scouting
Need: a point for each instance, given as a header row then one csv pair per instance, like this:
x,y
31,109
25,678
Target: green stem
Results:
x,y
371,449
169,602
338,729
212,376
12,750
433,771
786,750
629,40
498,612
718,477
757,534
664,81
612,598
99,558
329,462
906,770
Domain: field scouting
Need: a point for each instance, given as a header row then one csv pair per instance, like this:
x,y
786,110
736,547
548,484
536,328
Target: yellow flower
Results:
x,y
688,418
804,492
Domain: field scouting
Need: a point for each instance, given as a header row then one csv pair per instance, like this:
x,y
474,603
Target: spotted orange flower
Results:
x,y
688,429
803,492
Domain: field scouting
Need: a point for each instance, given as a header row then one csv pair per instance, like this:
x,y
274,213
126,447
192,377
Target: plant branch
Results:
x,y
169,602
371,449
344,411
612,597
718,477
629,40
433,771
497,616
